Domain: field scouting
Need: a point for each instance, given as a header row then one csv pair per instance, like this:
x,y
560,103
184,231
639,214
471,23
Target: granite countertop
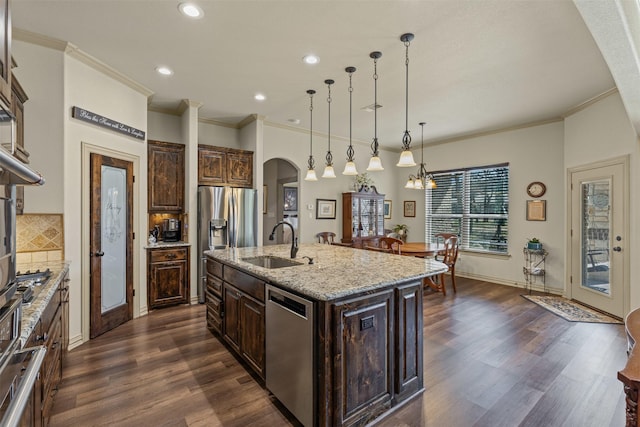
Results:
x,y
337,271
32,313
162,244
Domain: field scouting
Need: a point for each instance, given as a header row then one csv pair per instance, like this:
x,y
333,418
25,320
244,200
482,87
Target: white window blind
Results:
x,y
472,203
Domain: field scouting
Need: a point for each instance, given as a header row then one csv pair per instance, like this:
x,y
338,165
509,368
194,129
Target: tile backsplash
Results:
x,y
39,238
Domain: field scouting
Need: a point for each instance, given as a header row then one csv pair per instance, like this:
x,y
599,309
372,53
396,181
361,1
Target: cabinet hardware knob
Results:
x,y
617,249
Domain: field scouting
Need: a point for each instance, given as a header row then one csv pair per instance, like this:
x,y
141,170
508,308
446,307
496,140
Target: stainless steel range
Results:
x,y
29,284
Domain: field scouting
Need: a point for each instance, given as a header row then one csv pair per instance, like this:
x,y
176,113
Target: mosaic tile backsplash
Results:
x,y
39,237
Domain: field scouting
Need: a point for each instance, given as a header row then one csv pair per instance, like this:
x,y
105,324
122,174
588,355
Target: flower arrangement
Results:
x,y
363,180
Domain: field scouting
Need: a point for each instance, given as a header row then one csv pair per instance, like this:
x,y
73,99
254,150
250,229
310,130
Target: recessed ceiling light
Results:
x,y
259,97
191,10
311,59
165,71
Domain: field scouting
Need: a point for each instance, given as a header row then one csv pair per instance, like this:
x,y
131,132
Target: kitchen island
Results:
x,y
367,347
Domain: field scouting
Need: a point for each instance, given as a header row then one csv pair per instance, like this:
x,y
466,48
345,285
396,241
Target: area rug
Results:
x,y
570,310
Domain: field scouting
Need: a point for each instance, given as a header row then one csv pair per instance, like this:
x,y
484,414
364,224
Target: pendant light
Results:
x,y
406,158
423,180
350,167
328,169
375,164
311,173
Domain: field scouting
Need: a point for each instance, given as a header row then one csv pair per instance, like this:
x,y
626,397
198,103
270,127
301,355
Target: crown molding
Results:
x,y
38,39
76,53
589,102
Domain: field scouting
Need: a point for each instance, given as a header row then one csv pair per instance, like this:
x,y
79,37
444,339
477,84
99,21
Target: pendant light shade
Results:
x,y
375,164
311,172
406,157
328,169
350,166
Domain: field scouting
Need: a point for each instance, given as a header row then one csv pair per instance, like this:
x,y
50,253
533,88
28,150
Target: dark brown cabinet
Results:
x,y
363,357
225,166
165,177
49,332
239,315
5,51
168,277
18,98
362,217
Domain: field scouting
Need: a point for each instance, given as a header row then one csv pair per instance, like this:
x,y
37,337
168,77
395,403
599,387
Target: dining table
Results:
x,y
423,250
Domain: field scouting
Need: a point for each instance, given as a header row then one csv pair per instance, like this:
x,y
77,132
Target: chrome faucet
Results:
x,y
294,239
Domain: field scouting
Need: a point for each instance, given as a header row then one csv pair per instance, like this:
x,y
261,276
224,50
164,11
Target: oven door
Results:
x,y
17,379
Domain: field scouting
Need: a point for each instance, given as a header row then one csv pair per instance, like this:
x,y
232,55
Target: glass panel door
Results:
x,y
596,227
114,222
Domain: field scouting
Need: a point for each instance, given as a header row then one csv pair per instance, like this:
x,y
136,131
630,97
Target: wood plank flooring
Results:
x,y
491,359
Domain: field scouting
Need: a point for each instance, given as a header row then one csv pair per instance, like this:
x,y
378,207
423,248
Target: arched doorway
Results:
x,y
280,180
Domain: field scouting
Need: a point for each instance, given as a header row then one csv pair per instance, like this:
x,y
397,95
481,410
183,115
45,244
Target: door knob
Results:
x,y
617,249
100,253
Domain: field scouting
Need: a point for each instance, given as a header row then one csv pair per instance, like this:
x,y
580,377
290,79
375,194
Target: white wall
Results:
x,y
164,127
533,154
44,118
94,91
600,132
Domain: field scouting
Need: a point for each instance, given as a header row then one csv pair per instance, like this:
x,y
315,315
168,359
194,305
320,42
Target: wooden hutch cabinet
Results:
x,y
166,177
362,216
225,166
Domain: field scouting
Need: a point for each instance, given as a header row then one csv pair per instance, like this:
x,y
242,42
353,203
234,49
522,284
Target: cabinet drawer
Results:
x,y
245,282
214,322
214,304
214,267
214,285
162,255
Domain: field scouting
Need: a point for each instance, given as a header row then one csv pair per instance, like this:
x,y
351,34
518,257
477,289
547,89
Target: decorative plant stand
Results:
x,y
534,267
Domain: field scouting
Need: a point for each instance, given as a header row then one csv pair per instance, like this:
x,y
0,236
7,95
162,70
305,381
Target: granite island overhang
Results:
x,y
367,322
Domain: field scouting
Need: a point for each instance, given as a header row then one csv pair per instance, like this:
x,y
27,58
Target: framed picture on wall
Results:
x,y
387,209
290,199
409,208
536,210
325,209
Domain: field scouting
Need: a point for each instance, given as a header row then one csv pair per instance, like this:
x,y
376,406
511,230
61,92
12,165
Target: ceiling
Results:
x,y
474,66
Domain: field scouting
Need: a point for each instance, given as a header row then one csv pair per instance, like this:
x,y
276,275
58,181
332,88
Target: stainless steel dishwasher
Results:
x,y
289,352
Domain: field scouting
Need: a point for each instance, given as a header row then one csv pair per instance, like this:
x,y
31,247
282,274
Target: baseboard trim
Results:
x,y
538,287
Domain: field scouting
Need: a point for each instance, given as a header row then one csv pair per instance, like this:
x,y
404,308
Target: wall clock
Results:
x,y
536,189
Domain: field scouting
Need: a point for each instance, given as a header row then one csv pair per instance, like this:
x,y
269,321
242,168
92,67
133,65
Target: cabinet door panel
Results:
x,y
167,284
240,169
231,319
166,177
363,358
212,166
252,320
409,370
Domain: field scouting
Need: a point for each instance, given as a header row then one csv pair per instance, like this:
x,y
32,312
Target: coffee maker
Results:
x,y
171,230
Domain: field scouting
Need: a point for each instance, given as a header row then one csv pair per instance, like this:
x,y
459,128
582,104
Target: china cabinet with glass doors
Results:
x,y
362,217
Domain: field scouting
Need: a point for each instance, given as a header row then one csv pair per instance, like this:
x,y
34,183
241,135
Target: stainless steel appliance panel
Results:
x,y
289,352
226,217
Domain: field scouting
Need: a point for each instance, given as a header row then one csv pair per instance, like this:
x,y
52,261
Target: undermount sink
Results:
x,y
270,261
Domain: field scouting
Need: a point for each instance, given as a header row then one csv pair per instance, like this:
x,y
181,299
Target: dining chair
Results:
x,y
387,244
326,237
449,257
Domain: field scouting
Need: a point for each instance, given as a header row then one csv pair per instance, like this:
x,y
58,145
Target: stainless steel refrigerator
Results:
x,y
227,217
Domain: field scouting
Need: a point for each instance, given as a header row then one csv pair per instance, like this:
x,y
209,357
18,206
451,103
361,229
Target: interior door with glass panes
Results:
x,y
598,237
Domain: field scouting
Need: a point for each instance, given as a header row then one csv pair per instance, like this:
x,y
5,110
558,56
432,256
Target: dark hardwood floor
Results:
x,y
491,359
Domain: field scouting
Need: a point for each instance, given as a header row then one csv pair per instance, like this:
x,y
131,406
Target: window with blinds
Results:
x,y
472,203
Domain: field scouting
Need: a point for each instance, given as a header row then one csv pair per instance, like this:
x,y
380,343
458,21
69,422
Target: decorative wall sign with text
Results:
x,y
98,120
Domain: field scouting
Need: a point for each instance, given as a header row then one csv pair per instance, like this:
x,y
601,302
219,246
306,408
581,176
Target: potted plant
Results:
x,y
534,244
401,230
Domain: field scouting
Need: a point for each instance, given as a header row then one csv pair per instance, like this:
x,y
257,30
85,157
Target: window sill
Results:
x,y
484,254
